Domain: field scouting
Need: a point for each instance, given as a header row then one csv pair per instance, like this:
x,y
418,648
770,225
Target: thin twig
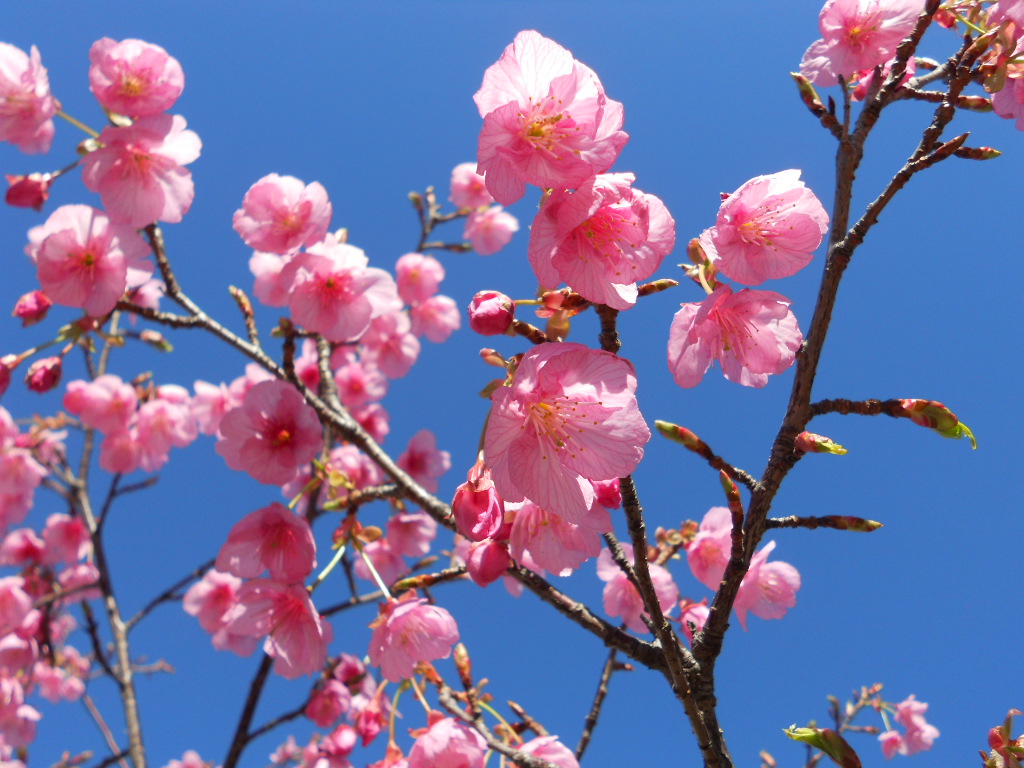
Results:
x,y
595,708
108,735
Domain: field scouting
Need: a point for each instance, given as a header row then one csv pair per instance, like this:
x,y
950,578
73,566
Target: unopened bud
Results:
x,y
937,417
679,435
43,375
492,357
156,340
829,742
808,442
32,307
491,313
978,153
28,191
695,253
656,286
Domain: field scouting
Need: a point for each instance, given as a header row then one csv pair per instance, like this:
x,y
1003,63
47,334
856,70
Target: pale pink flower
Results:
x,y
491,313
490,230
708,553
767,229
281,214
133,77
272,284
139,170
448,744
209,404
601,239
550,749
891,742
211,600
164,422
81,581
423,461
408,631
1009,101
17,719
468,187
920,734
478,508
272,434
26,105
15,606
283,612
390,344
768,590
418,277
621,599
360,382
437,318
334,292
190,759
19,471
410,533
857,35
106,403
272,538
328,702
83,259
547,120
695,614
553,543
752,334
62,683
120,452
569,418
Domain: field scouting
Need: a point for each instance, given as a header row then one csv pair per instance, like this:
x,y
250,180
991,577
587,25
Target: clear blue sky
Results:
x,y
375,100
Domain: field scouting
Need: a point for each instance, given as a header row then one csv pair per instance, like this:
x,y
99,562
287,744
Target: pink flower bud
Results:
x,y
43,375
487,561
491,313
808,442
32,307
7,363
478,508
28,191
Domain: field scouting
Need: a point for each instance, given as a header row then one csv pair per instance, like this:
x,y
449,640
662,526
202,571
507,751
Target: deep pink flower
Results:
x,y
767,229
211,600
66,538
621,598
424,463
487,561
708,553
601,239
31,308
26,105
553,543
272,434
328,702
272,538
768,590
408,631
491,313
280,214
468,187
133,77
490,230
693,613
28,191
478,508
44,374
569,418
106,403
549,748
84,260
752,334
857,35
448,744
547,120
418,277
139,170
333,291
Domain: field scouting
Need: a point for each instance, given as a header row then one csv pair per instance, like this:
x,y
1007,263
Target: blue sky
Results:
x,y
375,100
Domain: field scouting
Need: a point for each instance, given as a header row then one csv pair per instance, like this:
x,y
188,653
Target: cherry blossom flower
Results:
x,y
621,598
133,77
272,434
162,423
437,318
410,533
448,744
857,35
487,561
708,553
468,187
423,462
601,239
891,742
408,631
31,308
418,277
85,260
1008,102
139,170
553,543
272,538
44,374
768,590
106,403
390,344
547,120
66,538
920,734
491,313
490,230
550,749
26,105
478,508
328,702
767,229
753,334
211,600
695,614
281,214
333,291
568,419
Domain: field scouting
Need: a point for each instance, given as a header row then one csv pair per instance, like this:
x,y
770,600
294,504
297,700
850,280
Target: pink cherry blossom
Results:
x,y
408,631
30,191
328,703
360,382
106,403
621,598
491,313
272,434
753,334
26,105
569,418
857,35
209,404
15,605
390,344
280,214
133,77
550,749
120,452
437,318
767,229
17,719
81,582
283,612
44,374
487,561
411,533
708,553
83,259
334,292
139,170
920,734
490,230
418,277
423,461
66,538
547,120
448,744
1008,102
190,759
162,423
553,543
695,614
601,239
272,284
20,547
211,600
891,742
478,509
468,187
768,590
272,538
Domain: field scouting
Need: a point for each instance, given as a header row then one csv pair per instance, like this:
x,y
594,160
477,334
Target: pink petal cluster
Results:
x,y
30,191
767,229
621,598
468,189
411,533
919,735
448,744
569,418
857,35
139,170
423,461
410,630
554,544
550,749
478,508
419,277
768,590
270,539
490,229
601,239
547,120
708,552
133,77
272,434
752,334
26,105
212,600
85,260
491,313
281,214
32,307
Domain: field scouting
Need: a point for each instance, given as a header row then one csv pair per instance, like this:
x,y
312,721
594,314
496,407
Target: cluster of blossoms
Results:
x,y
489,227
918,734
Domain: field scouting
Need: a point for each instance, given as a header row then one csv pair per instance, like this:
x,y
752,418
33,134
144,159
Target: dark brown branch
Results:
x,y
242,735
169,594
595,708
